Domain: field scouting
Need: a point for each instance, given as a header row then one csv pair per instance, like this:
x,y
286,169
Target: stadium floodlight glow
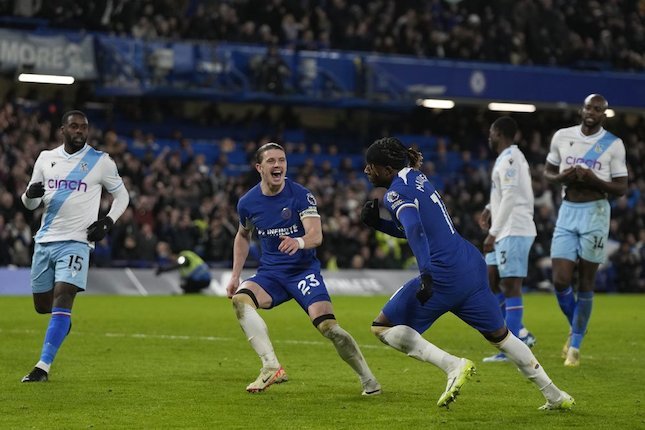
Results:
x,y
512,107
610,113
46,79
436,103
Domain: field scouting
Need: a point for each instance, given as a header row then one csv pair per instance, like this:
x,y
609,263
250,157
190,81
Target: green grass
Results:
x,y
183,362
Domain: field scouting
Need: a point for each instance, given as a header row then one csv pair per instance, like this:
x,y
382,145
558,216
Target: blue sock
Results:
x,y
581,317
514,312
501,299
58,327
567,303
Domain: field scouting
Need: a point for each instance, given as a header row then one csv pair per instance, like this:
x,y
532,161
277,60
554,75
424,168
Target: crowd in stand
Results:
x,y
179,201
573,33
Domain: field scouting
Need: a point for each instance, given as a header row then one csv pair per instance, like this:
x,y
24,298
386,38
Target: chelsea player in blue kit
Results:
x,y
285,217
453,276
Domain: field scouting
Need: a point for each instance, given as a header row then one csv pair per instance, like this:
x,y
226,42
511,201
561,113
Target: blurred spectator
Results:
x,y
20,240
146,243
180,200
545,32
627,265
271,71
124,237
5,241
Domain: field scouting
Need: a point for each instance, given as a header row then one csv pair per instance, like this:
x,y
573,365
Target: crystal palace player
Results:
x,y
285,217
589,163
68,180
453,276
508,218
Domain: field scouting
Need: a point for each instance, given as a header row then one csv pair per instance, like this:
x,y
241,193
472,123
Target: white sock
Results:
x,y
257,333
350,352
521,355
409,341
44,366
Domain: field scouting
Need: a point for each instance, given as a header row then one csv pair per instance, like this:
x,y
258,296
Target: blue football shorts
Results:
x,y
469,298
511,256
306,287
66,261
581,231
490,259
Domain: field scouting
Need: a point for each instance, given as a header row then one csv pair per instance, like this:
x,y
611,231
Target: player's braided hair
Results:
x,y
264,148
389,151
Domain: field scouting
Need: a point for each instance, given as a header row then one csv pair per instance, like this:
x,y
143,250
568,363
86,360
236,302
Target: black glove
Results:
x,y
370,214
159,271
425,290
99,229
37,189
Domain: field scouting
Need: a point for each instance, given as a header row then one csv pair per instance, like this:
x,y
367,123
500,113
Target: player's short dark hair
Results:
x,y
264,148
69,113
389,151
506,126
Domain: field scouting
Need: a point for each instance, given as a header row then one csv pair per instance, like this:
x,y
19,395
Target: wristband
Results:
x,y
301,242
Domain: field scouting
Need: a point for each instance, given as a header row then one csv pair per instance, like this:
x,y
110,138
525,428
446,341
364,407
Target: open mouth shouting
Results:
x,y
277,174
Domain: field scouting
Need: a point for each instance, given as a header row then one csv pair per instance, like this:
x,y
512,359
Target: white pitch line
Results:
x,y
130,274
291,342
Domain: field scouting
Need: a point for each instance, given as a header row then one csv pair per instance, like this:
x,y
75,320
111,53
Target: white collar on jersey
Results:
x,y
592,136
66,155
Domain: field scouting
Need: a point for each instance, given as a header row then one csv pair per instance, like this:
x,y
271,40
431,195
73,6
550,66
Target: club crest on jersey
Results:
x,y
286,213
311,199
83,166
392,196
597,149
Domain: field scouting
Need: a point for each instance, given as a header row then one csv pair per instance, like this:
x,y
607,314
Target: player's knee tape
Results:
x,y
319,320
244,295
496,340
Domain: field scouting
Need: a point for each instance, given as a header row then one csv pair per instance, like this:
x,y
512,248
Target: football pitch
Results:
x,y
183,362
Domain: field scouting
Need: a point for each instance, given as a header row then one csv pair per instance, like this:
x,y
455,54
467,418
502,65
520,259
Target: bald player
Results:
x,y
589,163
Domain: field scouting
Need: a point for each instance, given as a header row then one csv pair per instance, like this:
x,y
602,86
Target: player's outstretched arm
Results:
x,y
241,246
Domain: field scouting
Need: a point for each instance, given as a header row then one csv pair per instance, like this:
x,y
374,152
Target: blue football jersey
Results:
x,y
450,254
279,215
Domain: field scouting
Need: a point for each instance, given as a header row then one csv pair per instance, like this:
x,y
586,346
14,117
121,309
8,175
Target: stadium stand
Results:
x,y
185,174
608,35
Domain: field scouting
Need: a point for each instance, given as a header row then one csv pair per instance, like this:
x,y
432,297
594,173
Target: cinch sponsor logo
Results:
x,y
592,164
64,184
